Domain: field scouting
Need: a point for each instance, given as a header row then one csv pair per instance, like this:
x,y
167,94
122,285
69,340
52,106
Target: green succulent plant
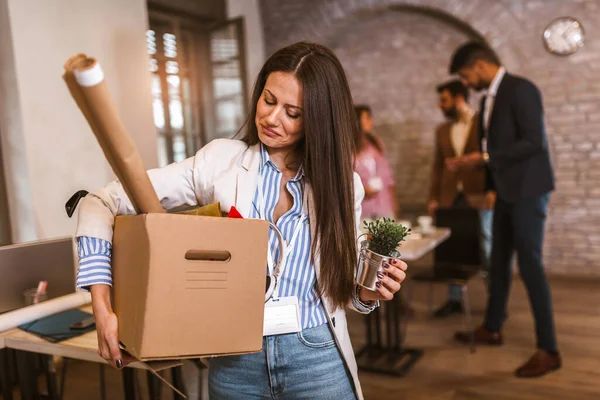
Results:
x,y
385,235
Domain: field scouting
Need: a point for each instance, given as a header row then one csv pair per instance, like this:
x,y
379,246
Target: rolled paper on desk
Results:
x,y
13,319
85,80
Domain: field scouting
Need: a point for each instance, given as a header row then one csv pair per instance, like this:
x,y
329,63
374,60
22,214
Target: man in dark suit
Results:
x,y
514,148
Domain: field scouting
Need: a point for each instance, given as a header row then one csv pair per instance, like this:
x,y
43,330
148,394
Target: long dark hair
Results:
x,y
371,138
327,151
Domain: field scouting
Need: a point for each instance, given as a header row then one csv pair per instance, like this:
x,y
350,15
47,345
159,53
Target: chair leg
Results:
x,y
468,319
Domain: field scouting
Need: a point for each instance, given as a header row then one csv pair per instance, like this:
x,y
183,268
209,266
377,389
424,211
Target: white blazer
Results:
x,y
225,171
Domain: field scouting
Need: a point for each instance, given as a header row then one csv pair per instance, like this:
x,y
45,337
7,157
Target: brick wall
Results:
x,y
396,74
394,53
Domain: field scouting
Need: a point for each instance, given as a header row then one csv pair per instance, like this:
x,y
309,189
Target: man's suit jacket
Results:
x,y
519,160
444,182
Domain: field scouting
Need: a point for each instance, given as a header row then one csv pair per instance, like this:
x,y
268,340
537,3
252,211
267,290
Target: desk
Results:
x,y
391,357
413,249
84,347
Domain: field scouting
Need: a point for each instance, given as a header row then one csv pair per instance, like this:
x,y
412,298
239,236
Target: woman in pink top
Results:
x,y
374,170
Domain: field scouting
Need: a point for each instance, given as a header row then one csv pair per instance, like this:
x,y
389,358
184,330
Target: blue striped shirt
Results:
x,y
299,276
94,262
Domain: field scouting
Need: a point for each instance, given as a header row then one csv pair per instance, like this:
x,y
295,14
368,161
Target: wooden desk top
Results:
x,y
84,347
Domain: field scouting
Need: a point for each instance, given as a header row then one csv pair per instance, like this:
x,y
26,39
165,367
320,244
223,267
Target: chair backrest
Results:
x,y
463,246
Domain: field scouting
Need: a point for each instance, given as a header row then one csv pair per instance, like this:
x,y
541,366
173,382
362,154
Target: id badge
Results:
x,y
282,315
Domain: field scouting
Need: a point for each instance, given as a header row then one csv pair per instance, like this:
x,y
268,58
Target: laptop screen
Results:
x,y
23,265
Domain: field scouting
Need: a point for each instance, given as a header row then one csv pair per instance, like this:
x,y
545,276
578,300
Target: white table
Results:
x,y
392,357
416,247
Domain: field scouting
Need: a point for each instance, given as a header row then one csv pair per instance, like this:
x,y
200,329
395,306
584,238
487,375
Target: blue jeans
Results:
x,y
485,218
305,365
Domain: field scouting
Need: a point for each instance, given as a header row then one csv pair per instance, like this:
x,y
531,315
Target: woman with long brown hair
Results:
x,y
374,169
293,167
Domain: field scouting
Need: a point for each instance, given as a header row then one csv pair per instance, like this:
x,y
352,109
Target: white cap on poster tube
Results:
x,y
90,76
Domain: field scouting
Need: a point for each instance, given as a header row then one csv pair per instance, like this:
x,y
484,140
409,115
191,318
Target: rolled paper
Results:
x,y
77,95
13,319
85,80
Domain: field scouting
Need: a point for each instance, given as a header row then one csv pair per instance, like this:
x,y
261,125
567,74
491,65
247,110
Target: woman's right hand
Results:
x,y
107,328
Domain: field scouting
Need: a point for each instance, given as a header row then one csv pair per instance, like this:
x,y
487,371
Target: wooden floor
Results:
x,y
448,370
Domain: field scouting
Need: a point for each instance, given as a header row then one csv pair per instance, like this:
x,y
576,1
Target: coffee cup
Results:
x,y
425,223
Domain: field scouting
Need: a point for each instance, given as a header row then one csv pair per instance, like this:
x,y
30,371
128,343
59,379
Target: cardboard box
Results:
x,y
187,286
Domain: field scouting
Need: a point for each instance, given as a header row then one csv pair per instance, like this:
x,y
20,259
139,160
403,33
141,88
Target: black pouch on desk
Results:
x,y
55,328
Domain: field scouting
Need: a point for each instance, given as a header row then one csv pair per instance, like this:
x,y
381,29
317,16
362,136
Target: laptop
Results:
x,y
23,265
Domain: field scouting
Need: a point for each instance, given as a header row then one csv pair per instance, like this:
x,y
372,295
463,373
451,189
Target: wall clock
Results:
x,y
564,36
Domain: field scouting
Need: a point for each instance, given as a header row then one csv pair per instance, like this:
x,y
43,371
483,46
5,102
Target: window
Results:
x,y
229,88
198,83
175,101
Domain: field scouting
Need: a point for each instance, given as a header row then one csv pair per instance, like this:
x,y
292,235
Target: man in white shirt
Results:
x,y
459,188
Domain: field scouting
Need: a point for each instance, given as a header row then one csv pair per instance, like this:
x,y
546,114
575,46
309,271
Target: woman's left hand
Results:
x,y
388,282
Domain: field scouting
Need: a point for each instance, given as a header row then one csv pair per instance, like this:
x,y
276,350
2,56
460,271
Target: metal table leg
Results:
x,y
392,358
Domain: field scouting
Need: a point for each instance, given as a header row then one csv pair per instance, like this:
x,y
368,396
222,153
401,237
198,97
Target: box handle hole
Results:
x,y
208,255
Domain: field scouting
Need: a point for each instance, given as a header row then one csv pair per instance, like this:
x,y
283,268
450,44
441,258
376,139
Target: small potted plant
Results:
x,y
384,236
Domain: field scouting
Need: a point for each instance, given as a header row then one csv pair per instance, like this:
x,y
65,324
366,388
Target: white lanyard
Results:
x,y
278,272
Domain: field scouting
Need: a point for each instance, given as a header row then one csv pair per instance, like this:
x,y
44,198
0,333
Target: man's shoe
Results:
x,y
539,364
481,336
451,307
